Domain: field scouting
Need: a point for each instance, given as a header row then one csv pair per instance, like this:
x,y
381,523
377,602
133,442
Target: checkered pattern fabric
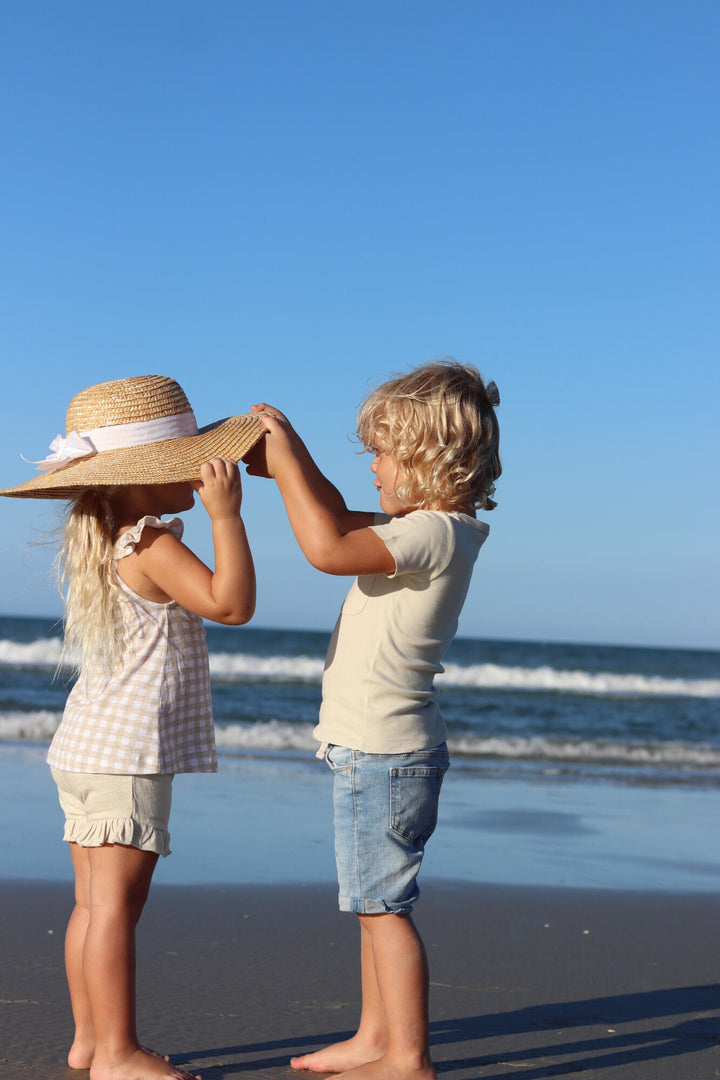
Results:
x,y
155,714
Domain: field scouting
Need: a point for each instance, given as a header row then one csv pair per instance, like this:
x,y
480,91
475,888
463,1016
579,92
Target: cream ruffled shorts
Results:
x,y
104,808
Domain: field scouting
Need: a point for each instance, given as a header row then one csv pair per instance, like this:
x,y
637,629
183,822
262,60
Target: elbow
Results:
x,y
236,619
323,559
238,616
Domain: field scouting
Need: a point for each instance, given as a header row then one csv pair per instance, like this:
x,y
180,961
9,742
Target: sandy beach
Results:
x,y
531,982
571,926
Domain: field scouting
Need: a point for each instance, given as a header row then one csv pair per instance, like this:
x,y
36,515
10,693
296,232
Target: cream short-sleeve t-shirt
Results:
x,y
393,630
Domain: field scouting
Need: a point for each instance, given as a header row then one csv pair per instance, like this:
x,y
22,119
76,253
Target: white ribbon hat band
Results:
x,y
76,445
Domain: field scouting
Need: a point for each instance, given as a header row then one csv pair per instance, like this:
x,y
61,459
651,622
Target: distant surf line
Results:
x,y
46,652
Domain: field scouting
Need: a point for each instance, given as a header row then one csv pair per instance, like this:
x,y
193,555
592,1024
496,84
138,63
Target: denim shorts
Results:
x,y
385,811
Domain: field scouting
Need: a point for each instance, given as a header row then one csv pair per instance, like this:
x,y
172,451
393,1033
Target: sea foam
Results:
x,y
274,735
247,667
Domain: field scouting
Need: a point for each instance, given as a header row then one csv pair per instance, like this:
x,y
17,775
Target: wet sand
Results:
x,y
530,982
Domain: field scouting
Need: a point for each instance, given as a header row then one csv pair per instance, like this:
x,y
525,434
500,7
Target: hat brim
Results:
x,y
168,462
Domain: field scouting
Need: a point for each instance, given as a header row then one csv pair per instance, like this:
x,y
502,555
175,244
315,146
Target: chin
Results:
x,y
185,500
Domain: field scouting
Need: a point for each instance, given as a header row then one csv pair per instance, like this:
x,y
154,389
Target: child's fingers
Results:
x,y
218,469
225,467
271,422
264,458
220,487
265,410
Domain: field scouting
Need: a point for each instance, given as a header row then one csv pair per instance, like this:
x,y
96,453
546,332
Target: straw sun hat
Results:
x,y
134,431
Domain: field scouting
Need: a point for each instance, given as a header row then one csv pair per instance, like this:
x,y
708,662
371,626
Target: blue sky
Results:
x,y
288,201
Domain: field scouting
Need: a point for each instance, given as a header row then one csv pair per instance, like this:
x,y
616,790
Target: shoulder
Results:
x,y
468,534
419,541
416,520
433,540
147,530
466,525
433,523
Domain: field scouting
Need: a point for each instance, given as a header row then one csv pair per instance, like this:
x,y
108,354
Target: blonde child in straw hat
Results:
x,y
140,711
434,437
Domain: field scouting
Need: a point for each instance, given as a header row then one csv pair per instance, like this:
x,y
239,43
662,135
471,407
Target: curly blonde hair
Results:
x,y
439,421
86,577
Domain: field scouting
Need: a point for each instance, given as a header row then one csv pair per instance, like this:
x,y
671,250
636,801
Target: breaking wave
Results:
x,y
247,667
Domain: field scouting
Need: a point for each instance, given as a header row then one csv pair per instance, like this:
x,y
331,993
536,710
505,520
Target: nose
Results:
x,y
374,464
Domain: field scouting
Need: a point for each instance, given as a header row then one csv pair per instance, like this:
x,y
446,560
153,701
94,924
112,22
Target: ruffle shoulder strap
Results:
x,y
126,544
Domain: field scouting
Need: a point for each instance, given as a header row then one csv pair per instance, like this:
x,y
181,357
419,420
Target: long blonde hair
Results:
x,y
86,578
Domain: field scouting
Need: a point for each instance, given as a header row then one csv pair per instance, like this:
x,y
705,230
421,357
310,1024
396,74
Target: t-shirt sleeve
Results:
x,y
420,542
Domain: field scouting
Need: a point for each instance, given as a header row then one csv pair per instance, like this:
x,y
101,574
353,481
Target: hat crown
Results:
x,y
125,401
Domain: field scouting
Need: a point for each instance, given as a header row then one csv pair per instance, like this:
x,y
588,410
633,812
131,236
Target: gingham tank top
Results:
x,y
155,714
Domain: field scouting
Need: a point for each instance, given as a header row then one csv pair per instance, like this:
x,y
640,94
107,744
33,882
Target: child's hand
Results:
x,y
266,455
262,410
220,488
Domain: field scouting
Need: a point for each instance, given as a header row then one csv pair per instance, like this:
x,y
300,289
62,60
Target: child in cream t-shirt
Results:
x,y
434,437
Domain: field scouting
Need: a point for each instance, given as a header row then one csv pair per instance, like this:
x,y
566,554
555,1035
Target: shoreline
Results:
x,y
525,980
267,819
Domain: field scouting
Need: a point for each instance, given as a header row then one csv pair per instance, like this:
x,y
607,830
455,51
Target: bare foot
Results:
x,y
81,1053
141,1065
340,1056
414,1067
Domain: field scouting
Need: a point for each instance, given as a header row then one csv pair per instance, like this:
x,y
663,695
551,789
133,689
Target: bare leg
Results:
x,y
83,1048
370,1040
402,979
119,883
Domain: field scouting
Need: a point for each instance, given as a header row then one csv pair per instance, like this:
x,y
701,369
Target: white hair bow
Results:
x,y
64,450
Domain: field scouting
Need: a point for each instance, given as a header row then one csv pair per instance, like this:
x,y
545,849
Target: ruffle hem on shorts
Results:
x,y
118,831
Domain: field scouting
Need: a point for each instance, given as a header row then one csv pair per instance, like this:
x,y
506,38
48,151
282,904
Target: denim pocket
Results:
x,y
339,758
414,797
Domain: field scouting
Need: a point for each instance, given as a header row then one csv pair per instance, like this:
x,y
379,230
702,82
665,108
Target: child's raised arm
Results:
x,y
332,538
226,595
260,462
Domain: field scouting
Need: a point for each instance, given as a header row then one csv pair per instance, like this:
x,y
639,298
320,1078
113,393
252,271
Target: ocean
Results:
x,y
557,750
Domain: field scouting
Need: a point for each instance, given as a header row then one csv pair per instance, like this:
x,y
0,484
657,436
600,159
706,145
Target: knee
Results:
x,y
135,899
82,899
116,911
